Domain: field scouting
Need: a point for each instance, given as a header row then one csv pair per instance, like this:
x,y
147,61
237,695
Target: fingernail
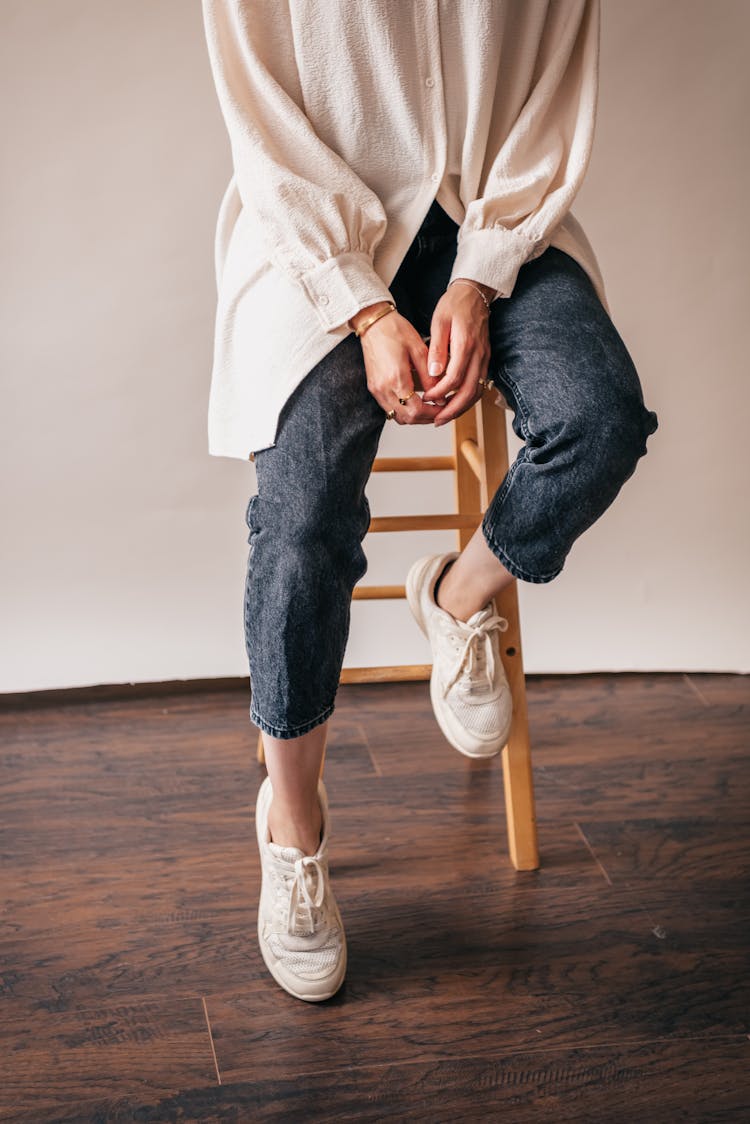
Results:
x,y
435,368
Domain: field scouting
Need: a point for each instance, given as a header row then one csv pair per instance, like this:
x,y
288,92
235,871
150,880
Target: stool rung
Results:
x,y
414,464
378,592
424,522
469,450
400,674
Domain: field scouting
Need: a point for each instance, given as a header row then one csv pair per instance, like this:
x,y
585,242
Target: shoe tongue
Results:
x,y
286,854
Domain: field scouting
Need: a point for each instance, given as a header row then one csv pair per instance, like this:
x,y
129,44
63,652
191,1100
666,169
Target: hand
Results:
x,y
460,319
393,351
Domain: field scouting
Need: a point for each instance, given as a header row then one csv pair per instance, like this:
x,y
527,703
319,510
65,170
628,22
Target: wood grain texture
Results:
x,y
610,984
83,1058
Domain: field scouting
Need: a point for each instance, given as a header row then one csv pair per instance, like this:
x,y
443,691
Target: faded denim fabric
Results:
x,y
577,403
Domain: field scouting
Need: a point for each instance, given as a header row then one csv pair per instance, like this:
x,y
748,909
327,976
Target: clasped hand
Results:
x,y
459,351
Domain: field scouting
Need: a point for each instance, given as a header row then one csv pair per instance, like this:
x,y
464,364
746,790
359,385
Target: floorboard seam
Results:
x,y
695,689
593,853
211,1039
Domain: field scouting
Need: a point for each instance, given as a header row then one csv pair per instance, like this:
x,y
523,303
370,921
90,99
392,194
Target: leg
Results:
x,y
474,579
294,818
306,526
578,404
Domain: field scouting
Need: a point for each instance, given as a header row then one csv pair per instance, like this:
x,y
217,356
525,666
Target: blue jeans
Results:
x,y
577,403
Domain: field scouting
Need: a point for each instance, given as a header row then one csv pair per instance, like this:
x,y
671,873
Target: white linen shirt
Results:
x,y
346,120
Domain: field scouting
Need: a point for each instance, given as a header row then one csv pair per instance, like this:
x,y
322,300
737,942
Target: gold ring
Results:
x,y
390,415
403,401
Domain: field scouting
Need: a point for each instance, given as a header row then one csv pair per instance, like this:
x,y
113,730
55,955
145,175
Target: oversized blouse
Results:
x,y
346,119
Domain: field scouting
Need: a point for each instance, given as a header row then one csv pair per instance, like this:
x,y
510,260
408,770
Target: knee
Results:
x,y
618,439
310,538
604,428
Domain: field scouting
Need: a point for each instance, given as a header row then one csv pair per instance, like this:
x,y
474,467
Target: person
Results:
x,y
396,236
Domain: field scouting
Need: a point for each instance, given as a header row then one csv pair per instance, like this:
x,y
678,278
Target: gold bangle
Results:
x,y
375,316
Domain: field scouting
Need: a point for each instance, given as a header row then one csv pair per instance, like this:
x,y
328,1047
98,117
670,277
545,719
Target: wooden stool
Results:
x,y
480,462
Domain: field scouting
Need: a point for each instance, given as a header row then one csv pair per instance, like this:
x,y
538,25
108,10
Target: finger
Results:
x,y
458,405
426,413
437,358
458,364
469,393
418,412
397,385
383,398
418,354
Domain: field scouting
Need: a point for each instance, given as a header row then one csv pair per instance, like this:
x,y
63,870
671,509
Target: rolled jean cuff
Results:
x,y
286,732
513,567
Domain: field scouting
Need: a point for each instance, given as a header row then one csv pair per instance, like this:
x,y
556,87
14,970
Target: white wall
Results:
x,y
123,542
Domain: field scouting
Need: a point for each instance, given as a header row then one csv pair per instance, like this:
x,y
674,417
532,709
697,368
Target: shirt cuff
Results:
x,y
493,256
341,286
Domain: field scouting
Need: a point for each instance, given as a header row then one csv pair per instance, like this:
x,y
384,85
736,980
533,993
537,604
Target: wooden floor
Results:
x,y
613,984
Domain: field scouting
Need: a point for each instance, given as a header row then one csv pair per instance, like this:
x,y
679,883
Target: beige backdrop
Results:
x,y
124,543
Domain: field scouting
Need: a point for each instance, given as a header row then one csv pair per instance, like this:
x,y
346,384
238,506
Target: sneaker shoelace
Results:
x,y
300,894
475,660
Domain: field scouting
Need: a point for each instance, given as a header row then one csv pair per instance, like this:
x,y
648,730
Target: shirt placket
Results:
x,y
431,75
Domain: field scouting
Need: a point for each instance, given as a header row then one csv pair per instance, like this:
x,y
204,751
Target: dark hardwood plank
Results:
x,y
690,853
715,786
432,978
63,1059
685,1080
723,690
573,719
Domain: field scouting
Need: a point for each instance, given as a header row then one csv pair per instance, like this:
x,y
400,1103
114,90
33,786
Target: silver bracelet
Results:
x,y
463,280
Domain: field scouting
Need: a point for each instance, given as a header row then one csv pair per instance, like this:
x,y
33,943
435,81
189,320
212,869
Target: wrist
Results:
x,y
364,313
486,290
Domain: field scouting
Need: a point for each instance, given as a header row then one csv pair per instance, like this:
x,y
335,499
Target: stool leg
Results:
x,y
468,496
516,756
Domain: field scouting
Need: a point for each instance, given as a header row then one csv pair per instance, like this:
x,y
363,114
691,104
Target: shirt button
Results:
x,y
435,177
323,299
429,81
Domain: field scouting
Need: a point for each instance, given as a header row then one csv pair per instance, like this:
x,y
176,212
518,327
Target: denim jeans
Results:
x,y
577,403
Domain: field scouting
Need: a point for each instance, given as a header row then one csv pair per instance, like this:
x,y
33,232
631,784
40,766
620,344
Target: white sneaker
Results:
x,y
300,931
468,687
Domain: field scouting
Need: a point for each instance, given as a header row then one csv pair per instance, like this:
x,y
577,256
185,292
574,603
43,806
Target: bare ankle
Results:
x,y
439,582
292,828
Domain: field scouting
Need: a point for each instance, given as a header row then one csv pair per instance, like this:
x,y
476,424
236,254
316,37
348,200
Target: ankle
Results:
x,y
451,598
438,583
294,827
